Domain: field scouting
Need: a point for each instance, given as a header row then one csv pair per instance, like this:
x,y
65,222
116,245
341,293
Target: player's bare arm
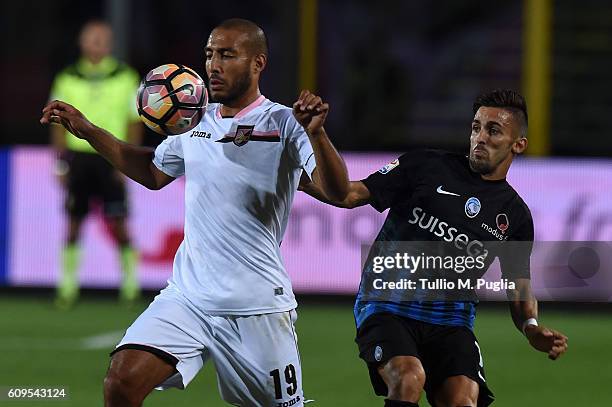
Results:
x,y
133,161
524,307
330,174
358,193
135,134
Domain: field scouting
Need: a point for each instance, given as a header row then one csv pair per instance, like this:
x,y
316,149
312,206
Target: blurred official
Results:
x,y
104,89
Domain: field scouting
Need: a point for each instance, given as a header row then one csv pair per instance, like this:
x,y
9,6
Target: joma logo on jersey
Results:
x,y
202,134
291,402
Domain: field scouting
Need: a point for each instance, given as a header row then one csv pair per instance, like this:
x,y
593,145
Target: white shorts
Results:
x,y
256,357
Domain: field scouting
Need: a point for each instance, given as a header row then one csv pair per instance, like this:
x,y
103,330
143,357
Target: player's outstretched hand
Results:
x,y
66,115
547,340
310,111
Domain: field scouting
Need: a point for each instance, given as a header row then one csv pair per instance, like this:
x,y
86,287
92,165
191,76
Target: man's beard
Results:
x,y
480,166
240,87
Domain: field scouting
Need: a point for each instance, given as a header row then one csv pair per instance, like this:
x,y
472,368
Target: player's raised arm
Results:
x,y
524,310
133,161
330,174
358,193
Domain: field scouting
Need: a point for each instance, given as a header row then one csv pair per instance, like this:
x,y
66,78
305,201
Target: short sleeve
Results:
x,y
300,147
515,258
395,180
169,157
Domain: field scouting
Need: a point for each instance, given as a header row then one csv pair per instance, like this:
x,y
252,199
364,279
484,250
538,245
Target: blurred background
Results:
x,y
398,75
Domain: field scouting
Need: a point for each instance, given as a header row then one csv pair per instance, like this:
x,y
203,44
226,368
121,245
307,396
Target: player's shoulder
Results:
x,y
519,203
211,113
519,214
267,107
280,117
268,116
211,108
278,111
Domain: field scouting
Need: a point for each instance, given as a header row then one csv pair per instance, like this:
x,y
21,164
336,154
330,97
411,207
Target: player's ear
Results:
x,y
260,61
519,146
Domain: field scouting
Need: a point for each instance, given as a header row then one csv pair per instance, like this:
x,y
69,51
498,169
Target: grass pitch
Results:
x,y
43,347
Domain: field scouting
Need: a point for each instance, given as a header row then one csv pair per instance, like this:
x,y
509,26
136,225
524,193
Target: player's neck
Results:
x,y
232,108
499,173
492,177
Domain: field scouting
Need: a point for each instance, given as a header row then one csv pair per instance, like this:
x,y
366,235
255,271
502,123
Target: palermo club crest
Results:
x,y
243,135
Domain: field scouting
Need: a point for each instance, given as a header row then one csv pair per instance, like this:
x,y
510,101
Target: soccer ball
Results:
x,y
172,99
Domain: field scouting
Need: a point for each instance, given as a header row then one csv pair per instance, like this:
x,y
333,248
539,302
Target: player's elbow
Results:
x,y
352,200
337,196
334,189
346,203
337,193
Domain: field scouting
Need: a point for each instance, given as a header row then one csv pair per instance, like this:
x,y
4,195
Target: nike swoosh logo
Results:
x,y
187,87
443,192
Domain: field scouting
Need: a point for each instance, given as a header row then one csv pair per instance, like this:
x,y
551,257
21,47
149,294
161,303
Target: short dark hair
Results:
x,y
258,42
507,99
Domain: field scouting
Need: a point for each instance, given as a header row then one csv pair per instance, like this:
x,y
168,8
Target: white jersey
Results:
x,y
241,176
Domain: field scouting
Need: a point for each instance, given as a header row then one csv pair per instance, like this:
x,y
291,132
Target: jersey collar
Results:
x,y
256,103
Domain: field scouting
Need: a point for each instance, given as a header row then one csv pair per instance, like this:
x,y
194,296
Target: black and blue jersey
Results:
x,y
433,195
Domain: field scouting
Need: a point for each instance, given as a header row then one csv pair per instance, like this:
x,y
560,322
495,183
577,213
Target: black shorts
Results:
x,y
91,177
443,350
